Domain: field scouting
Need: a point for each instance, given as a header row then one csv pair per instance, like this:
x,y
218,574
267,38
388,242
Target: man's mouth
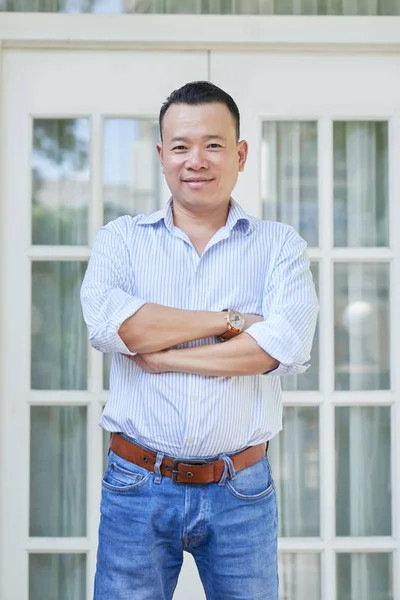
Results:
x,y
197,182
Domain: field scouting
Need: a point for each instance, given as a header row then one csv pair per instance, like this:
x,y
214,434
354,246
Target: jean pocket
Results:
x,y
252,483
123,476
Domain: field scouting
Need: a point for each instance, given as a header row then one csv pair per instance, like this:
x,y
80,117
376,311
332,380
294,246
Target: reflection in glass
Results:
x,y
294,457
133,181
299,576
59,334
363,481
361,183
60,181
106,444
58,471
310,379
362,342
255,7
289,175
364,576
57,577
107,360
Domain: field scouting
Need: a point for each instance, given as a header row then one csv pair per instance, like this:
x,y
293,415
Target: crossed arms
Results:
x,y
154,327
278,343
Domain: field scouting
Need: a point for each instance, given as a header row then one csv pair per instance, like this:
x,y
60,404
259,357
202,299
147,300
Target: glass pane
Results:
x,y
364,576
266,7
294,457
289,175
362,326
363,464
106,444
58,471
133,181
57,577
361,212
60,181
58,332
107,359
299,576
310,379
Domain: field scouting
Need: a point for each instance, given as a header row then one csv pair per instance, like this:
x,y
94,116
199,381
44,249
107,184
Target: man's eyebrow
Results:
x,y
205,137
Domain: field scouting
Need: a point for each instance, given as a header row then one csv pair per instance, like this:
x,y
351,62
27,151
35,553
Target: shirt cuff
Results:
x,y
107,339
266,336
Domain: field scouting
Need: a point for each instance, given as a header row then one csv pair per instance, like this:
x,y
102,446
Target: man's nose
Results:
x,y
196,159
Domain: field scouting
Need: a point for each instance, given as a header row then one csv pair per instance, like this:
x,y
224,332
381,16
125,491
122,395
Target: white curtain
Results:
x,y
289,193
367,457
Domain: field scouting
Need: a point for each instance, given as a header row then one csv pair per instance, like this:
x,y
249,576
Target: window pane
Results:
x,y
362,326
106,444
361,183
107,359
57,577
310,379
133,181
60,181
364,576
58,471
294,456
363,463
58,332
289,175
299,576
266,7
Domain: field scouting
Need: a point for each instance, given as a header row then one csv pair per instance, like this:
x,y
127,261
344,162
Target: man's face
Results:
x,y
199,155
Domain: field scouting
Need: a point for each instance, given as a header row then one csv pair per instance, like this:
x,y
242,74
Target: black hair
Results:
x,y
201,92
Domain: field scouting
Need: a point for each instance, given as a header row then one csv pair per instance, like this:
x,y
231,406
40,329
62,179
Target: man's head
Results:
x,y
201,92
200,151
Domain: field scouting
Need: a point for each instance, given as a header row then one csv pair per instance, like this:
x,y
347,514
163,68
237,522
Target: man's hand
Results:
x,y
251,319
152,363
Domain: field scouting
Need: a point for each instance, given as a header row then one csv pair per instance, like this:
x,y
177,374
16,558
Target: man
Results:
x,y
198,303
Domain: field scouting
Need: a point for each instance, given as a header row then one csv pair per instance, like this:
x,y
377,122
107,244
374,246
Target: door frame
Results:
x,y
324,35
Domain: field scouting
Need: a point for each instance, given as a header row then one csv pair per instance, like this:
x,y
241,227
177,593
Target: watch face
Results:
x,y
235,320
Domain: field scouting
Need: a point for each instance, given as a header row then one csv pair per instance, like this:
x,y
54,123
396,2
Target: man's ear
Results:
x,y
243,149
160,155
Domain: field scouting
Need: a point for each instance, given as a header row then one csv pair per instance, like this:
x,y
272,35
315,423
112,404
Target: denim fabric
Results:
x,y
148,521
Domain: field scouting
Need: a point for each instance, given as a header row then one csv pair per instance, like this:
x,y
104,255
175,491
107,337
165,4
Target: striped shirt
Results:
x,y
254,266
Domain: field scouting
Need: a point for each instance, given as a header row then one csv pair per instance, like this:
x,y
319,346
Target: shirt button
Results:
x,y
198,275
190,440
194,397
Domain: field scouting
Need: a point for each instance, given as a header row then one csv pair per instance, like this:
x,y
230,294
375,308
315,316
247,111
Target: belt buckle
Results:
x,y
176,471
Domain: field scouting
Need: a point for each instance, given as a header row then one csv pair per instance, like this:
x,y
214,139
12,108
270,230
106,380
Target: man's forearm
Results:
x,y
239,356
155,327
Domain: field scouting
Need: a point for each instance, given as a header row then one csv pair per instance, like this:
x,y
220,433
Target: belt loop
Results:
x,y
228,469
157,465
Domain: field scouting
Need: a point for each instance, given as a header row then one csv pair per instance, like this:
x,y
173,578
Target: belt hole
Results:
x,y
167,468
145,459
189,474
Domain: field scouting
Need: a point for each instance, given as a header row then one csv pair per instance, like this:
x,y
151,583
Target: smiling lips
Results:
x,y
195,183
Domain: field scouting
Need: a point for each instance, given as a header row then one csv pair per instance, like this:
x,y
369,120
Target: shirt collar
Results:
x,y
236,214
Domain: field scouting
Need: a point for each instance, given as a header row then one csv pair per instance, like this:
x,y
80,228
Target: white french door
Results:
x,y
77,145
324,137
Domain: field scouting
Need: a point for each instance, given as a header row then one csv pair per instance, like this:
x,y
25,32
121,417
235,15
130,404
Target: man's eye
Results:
x,y
214,146
179,148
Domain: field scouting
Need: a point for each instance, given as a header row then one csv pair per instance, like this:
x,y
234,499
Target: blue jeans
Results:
x,y
148,521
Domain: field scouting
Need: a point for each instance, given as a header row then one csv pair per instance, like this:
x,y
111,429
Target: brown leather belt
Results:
x,y
185,471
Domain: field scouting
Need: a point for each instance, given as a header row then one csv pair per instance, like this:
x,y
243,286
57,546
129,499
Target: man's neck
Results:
x,y
199,222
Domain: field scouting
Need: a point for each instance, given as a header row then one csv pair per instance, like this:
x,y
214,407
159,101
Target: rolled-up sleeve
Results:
x,y
106,304
290,309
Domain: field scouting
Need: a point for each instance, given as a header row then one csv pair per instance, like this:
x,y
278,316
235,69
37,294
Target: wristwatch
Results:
x,y
234,323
